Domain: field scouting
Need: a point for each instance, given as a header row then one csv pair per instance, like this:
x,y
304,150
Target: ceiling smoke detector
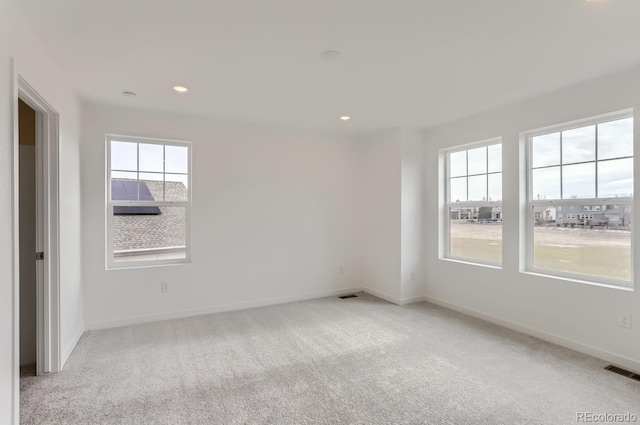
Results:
x,y
329,55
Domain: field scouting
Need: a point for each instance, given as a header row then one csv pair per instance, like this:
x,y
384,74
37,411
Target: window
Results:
x,y
585,171
148,201
474,203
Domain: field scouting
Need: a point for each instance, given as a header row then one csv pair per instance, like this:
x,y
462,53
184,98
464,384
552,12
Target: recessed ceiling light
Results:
x,y
128,93
329,55
181,89
345,118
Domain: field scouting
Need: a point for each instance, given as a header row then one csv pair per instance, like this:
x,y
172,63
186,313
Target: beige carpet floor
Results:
x,y
325,361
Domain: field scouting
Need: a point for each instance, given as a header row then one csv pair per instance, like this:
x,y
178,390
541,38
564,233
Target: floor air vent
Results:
x,y
344,297
623,372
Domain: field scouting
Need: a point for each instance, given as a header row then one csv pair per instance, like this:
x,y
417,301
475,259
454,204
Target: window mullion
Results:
x,y
466,156
561,169
487,175
597,194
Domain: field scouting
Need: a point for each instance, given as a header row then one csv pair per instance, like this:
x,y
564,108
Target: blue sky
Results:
x,y
564,169
124,159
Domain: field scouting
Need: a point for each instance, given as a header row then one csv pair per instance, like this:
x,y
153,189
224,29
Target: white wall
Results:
x,y
273,219
391,204
574,314
18,41
380,200
411,216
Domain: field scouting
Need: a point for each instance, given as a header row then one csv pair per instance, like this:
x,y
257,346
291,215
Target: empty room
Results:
x,y
305,212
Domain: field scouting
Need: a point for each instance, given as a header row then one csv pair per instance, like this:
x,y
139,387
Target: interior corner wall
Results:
x,y
273,219
577,315
380,203
411,275
20,47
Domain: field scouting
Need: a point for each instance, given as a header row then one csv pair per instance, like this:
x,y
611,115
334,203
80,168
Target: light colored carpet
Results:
x,y
326,361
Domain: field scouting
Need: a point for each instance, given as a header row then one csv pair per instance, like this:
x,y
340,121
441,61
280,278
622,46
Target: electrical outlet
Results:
x,y
625,320
164,286
413,276
341,269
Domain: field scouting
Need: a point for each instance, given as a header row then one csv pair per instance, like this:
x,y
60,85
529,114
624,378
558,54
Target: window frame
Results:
x,y
531,203
448,204
110,204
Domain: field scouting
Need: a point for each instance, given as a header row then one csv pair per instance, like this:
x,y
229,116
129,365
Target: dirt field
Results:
x,y
595,252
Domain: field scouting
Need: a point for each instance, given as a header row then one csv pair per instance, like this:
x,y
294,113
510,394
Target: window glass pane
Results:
x,y
546,150
495,158
615,139
124,189
151,176
579,145
124,175
124,156
615,178
476,234
546,183
458,164
151,157
176,159
458,189
579,181
477,160
154,184
495,187
150,235
597,244
478,188
176,187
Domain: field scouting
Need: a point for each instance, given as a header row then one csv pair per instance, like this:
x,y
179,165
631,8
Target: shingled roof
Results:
x,y
143,232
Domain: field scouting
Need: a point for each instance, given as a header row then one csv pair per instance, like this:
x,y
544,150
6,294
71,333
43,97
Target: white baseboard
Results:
x,y
393,300
66,352
217,309
616,359
382,295
406,301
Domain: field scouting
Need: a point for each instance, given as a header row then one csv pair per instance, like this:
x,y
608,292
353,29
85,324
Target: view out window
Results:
x,y
149,202
580,197
474,203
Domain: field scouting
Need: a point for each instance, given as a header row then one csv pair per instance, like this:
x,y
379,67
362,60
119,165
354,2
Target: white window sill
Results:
x,y
470,262
581,281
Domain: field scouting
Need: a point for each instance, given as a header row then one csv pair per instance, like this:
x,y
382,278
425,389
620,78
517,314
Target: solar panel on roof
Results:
x,y
127,190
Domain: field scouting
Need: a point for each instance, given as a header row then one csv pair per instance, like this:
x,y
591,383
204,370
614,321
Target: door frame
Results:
x,y
47,233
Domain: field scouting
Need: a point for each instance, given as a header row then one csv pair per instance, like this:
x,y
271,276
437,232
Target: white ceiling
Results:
x,y
403,62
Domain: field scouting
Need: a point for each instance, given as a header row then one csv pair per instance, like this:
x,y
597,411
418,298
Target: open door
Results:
x,y
36,218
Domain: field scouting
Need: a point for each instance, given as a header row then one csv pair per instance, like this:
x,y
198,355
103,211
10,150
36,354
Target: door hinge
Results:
x,y
39,255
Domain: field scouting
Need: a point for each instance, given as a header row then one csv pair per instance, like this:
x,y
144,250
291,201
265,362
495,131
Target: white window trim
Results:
x,y
109,204
531,204
446,235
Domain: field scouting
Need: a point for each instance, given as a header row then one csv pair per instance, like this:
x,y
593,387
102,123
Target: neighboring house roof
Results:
x,y
542,208
167,229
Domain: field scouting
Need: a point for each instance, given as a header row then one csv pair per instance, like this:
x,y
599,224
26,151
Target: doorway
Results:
x,y
36,234
27,238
